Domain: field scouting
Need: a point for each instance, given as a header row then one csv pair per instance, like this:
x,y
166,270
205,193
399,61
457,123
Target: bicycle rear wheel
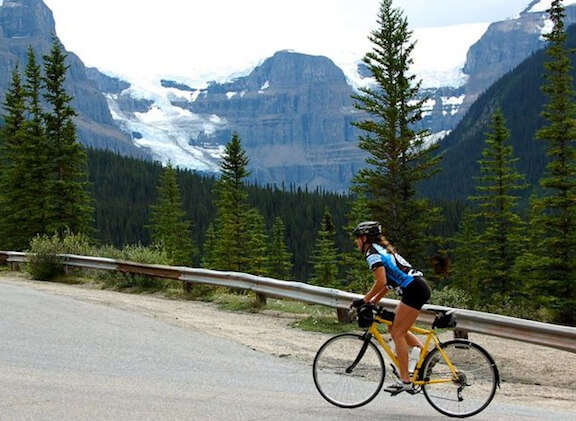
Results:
x,y
470,390
341,377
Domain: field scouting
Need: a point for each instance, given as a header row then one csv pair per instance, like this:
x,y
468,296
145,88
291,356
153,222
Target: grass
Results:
x,y
324,324
296,307
318,318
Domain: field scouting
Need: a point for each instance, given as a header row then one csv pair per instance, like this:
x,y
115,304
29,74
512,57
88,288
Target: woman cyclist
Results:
x,y
391,271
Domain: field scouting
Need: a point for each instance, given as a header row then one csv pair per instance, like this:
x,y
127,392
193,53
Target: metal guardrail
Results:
x,y
545,334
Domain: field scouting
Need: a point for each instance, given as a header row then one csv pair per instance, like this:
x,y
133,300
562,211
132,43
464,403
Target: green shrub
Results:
x,y
515,307
140,254
450,297
45,264
79,244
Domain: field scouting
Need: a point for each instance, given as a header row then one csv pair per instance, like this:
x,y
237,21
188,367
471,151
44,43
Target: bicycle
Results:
x,y
458,377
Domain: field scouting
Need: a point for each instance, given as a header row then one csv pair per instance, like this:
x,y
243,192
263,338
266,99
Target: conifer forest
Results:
x,y
506,243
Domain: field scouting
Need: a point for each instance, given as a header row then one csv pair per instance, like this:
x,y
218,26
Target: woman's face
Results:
x,y
359,241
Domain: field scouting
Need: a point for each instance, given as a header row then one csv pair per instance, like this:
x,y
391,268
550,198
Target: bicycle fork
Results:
x,y
367,337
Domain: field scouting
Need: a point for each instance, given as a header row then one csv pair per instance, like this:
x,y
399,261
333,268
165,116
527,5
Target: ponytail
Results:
x,y
387,244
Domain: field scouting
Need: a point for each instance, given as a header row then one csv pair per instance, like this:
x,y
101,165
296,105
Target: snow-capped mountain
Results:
x,y
25,23
165,129
293,111
455,64
179,135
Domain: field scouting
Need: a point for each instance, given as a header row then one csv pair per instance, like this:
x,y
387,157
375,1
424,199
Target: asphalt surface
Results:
x,y
66,359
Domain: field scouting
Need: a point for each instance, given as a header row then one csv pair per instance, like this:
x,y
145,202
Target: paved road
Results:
x,y
65,359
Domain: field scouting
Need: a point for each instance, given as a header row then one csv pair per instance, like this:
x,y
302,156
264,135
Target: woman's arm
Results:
x,y
379,288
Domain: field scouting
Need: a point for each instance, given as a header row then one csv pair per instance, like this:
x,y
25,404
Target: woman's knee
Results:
x,y
397,333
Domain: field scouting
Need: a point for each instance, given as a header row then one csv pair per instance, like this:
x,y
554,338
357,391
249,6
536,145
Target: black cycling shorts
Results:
x,y
417,293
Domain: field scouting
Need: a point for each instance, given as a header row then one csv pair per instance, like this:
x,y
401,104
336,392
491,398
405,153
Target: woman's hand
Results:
x,y
359,302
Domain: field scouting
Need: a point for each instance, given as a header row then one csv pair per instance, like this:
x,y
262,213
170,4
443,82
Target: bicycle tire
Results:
x,y
341,383
474,388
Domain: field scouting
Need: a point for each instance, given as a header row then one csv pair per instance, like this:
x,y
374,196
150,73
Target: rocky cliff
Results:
x,y
294,115
25,23
503,47
293,112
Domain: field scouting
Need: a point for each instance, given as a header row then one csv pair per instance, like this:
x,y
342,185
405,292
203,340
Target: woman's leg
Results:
x,y
413,340
404,319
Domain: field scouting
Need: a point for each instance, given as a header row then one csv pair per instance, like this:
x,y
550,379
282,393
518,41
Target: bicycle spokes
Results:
x,y
466,391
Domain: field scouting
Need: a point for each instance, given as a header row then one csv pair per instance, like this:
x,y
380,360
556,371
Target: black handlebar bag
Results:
x,y
365,316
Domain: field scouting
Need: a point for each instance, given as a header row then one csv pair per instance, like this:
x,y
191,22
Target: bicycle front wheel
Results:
x,y
348,370
470,389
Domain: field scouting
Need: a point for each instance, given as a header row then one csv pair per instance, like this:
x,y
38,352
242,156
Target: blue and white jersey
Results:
x,y
399,273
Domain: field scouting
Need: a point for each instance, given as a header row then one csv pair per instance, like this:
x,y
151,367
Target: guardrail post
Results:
x,y
460,334
344,315
260,299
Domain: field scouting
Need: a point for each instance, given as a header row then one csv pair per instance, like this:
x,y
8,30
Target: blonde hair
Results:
x,y
387,244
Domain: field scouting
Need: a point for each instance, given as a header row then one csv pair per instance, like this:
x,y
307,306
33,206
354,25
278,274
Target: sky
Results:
x,y
212,38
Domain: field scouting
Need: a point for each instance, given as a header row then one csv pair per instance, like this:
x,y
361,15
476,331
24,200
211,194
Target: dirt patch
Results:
x,y
530,374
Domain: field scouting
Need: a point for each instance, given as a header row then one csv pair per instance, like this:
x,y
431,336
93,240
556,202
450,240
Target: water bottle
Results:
x,y
413,357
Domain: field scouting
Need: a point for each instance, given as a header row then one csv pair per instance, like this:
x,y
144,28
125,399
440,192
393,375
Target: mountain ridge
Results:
x,y
521,100
293,111
25,23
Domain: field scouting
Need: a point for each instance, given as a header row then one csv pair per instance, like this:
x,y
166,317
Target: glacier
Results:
x,y
167,130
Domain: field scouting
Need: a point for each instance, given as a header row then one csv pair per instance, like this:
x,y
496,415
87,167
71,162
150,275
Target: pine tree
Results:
x,y
13,137
557,265
259,262
358,278
469,263
500,241
279,256
325,256
398,155
210,258
70,206
169,225
527,265
231,227
35,158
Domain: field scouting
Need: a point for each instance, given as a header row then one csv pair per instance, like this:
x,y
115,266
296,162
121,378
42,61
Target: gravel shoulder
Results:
x,y
531,375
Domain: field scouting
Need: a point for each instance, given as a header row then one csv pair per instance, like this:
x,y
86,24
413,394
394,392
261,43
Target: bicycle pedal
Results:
x,y
413,391
395,393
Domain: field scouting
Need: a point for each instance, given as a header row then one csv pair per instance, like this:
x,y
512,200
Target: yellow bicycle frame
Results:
x,y
430,338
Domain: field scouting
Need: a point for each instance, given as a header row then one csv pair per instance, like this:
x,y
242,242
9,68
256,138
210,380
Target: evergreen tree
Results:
x,y
231,227
259,262
169,225
526,267
398,156
35,158
556,268
210,256
325,256
279,256
469,263
358,278
13,137
501,240
69,204
125,188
